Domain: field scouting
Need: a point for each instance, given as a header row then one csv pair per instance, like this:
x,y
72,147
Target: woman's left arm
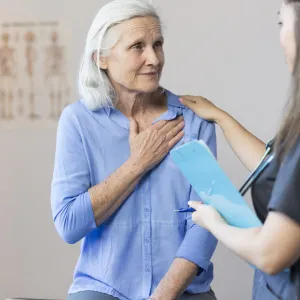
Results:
x,y
195,252
271,248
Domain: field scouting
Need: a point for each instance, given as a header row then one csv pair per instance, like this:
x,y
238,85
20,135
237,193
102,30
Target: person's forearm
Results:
x,y
246,146
174,283
244,242
107,196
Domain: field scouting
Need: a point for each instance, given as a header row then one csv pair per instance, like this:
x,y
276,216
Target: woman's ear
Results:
x,y
102,61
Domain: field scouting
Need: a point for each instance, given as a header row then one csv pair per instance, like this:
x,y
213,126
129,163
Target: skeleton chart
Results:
x,y
34,75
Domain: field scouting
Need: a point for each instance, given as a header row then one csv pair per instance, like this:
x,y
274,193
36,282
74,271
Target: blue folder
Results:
x,y
203,172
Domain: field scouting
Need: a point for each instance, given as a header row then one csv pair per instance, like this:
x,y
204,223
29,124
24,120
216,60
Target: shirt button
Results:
x,y
146,209
147,241
147,270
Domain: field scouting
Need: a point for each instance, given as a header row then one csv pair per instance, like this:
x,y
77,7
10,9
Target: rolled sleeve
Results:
x,y
199,244
70,201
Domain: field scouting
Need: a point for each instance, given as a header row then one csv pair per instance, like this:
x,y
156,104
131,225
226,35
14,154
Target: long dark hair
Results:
x,y
289,131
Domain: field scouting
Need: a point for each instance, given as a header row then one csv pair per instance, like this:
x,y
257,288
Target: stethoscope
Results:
x,y
259,169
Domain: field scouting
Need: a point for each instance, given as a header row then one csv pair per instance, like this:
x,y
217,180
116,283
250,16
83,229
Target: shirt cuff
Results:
x,y
193,256
76,219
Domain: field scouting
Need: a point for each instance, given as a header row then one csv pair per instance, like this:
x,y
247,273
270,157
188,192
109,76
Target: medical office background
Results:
x,y
227,51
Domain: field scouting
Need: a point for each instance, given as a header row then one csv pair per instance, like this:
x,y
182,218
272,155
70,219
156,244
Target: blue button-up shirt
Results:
x,y
129,254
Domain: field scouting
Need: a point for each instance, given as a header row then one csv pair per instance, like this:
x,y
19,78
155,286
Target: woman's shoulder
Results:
x,y
72,108
78,111
173,101
76,108
175,104
293,155
195,126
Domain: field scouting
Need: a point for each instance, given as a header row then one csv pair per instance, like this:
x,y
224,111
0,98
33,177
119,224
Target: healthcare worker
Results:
x,y
273,248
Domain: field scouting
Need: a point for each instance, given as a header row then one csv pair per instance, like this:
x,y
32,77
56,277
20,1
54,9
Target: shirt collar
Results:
x,y
172,99
175,108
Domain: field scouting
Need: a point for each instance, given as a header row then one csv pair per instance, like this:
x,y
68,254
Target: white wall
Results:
x,y
227,51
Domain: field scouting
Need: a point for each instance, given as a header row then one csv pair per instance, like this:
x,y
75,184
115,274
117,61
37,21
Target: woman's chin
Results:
x,y
149,88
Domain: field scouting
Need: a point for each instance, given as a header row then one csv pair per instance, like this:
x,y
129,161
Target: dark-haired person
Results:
x,y
275,246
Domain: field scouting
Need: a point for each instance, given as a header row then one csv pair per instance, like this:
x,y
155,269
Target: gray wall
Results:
x,y
227,51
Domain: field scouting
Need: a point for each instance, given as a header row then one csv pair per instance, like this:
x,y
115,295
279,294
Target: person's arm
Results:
x,y
246,146
195,252
276,245
174,283
106,197
79,208
271,248
192,258
72,198
147,149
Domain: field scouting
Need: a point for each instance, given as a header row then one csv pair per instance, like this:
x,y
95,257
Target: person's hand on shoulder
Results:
x,y
202,107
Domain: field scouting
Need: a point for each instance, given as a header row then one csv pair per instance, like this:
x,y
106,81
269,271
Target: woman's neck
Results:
x,y
137,104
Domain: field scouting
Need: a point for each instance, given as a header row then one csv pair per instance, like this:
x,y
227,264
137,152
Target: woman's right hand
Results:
x,y
150,146
202,107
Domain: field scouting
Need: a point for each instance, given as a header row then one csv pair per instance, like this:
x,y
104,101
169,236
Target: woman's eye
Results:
x,y
137,47
158,44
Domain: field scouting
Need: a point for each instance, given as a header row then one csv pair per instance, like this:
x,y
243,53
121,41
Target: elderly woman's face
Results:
x,y
135,63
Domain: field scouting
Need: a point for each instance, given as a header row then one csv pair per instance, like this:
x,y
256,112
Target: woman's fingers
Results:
x,y
171,125
174,131
195,204
175,140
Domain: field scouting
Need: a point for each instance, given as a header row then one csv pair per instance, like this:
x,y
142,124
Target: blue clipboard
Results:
x,y
201,169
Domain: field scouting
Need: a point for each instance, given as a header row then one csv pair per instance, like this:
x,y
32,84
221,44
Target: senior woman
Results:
x,y
113,168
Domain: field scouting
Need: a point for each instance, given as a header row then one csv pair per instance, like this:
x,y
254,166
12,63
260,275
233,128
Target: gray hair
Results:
x,y
94,84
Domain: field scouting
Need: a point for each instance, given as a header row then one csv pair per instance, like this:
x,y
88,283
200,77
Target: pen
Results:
x,y
190,209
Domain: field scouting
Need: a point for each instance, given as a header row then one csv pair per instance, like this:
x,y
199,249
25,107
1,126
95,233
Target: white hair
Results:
x,y
94,84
